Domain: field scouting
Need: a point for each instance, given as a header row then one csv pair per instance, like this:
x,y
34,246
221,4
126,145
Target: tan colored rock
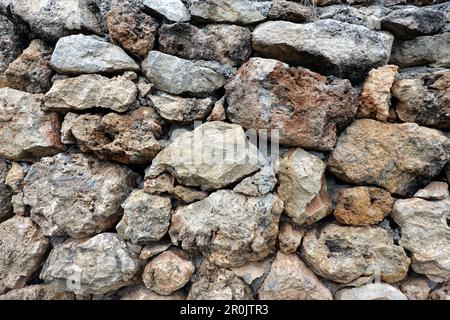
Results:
x,y
441,293
376,93
218,111
302,187
37,292
401,156
140,292
373,291
161,184
436,190
344,254
290,237
188,195
415,288
153,249
15,177
291,279
167,273
362,206
253,271
66,128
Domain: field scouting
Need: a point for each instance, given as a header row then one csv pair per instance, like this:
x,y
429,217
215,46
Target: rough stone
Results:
x,y
290,237
37,292
140,292
26,132
302,187
253,271
66,128
291,11
426,234
153,249
6,208
401,157
167,273
171,10
79,54
91,91
372,291
96,265
441,293
344,254
218,112
228,228
76,195
146,217
268,94
337,48
258,184
291,279
415,288
188,195
369,17
10,43
436,190
160,184
22,250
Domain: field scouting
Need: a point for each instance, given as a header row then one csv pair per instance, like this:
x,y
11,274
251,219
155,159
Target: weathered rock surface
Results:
x,y
153,249
22,250
228,228
376,93
253,271
26,132
290,237
188,195
441,293
160,184
424,98
167,273
369,17
91,91
96,265
31,71
227,44
415,288
218,112
397,157
10,43
343,254
212,156
290,279
337,48
37,292
372,291
436,190
6,208
171,10
363,206
302,187
79,54
291,11
179,76
76,195
268,94
230,11
140,292
426,234
146,217
258,184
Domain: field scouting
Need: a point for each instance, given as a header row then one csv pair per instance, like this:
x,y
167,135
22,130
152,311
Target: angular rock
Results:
x,y
37,292
361,206
132,29
179,76
188,195
253,271
413,21
415,288
291,11
441,293
436,190
228,228
424,98
171,10
76,195
22,250
66,128
289,238
140,292
146,217
376,93
421,51
372,291
337,48
291,279
153,249
52,20
161,184
180,109
16,175
91,91
167,273
426,234
79,54
401,156
230,11
10,43
369,17
6,208
302,187
31,71
344,254
268,94
226,44
26,132
96,265
212,156
258,184
129,138
218,112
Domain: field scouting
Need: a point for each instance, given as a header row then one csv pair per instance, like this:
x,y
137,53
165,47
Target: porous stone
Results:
x,y
291,11
153,249
302,187
6,208
171,10
218,112
344,254
436,190
16,175
140,292
290,279
369,17
401,156
268,94
228,228
10,43
79,54
426,234
167,273
37,292
372,291
337,48
212,156
415,288
26,132
91,91
76,195
146,217
361,206
259,184
95,265
160,184
227,44
22,251
253,271
179,76
290,237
